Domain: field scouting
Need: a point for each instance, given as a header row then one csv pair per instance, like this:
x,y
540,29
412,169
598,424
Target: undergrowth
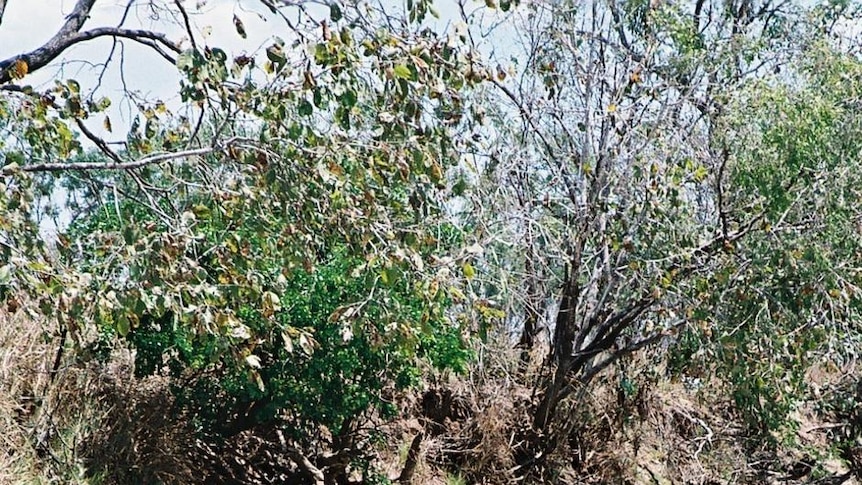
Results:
x,y
92,421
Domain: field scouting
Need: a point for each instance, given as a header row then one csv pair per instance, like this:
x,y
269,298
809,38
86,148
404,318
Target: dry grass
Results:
x,y
658,431
26,358
93,422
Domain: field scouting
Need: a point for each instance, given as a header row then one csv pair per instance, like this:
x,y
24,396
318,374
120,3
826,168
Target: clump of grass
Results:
x,y
26,360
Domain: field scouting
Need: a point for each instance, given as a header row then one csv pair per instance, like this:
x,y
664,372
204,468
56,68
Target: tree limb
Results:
x,y
69,35
57,44
115,165
297,457
187,24
2,9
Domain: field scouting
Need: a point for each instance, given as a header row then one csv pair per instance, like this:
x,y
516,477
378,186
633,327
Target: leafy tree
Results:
x,y
645,172
326,344
217,233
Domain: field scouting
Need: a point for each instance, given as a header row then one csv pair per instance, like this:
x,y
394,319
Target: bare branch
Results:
x,y
570,184
57,44
301,460
115,165
69,35
187,24
2,9
103,146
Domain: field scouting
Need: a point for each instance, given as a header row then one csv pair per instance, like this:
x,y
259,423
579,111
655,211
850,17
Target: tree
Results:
x,y
677,173
203,226
314,131
653,188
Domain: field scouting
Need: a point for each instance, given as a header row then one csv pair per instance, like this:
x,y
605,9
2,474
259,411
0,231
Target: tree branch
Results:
x,y
57,44
115,165
300,459
2,9
187,24
69,35
145,37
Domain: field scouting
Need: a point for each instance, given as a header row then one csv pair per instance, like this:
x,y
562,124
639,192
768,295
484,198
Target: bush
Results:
x,y
330,340
312,363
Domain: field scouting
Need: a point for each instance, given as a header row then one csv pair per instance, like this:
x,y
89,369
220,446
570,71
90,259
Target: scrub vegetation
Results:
x,y
609,241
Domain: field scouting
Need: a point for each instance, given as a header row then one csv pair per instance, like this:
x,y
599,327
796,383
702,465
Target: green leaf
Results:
x,y
122,324
402,72
348,98
305,108
469,271
5,274
186,60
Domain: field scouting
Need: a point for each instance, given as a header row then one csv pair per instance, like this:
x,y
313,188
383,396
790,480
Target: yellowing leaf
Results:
x,y
288,342
469,271
436,172
402,72
306,344
456,294
270,303
19,69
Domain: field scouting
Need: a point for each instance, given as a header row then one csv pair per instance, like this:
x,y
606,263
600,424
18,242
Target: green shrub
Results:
x,y
345,334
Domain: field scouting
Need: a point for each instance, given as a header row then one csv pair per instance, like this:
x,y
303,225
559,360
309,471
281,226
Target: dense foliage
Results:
x,y
296,235
338,341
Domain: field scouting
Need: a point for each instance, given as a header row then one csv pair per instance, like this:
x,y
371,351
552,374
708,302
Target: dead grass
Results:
x,y
25,363
660,431
92,423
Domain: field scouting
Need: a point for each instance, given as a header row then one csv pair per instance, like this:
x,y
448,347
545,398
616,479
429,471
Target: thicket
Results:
x,y
546,242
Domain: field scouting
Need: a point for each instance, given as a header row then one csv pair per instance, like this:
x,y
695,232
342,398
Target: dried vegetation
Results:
x,y
87,422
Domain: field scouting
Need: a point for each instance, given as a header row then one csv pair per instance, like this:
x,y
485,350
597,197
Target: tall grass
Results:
x,y
27,353
85,422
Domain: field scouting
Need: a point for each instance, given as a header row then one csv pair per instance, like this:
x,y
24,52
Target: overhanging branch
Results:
x,y
69,35
2,9
117,165
57,44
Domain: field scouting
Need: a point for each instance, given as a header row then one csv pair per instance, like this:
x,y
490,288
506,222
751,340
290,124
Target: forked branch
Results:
x,y
70,34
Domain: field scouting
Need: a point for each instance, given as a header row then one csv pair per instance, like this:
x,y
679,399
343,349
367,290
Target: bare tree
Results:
x,y
615,185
